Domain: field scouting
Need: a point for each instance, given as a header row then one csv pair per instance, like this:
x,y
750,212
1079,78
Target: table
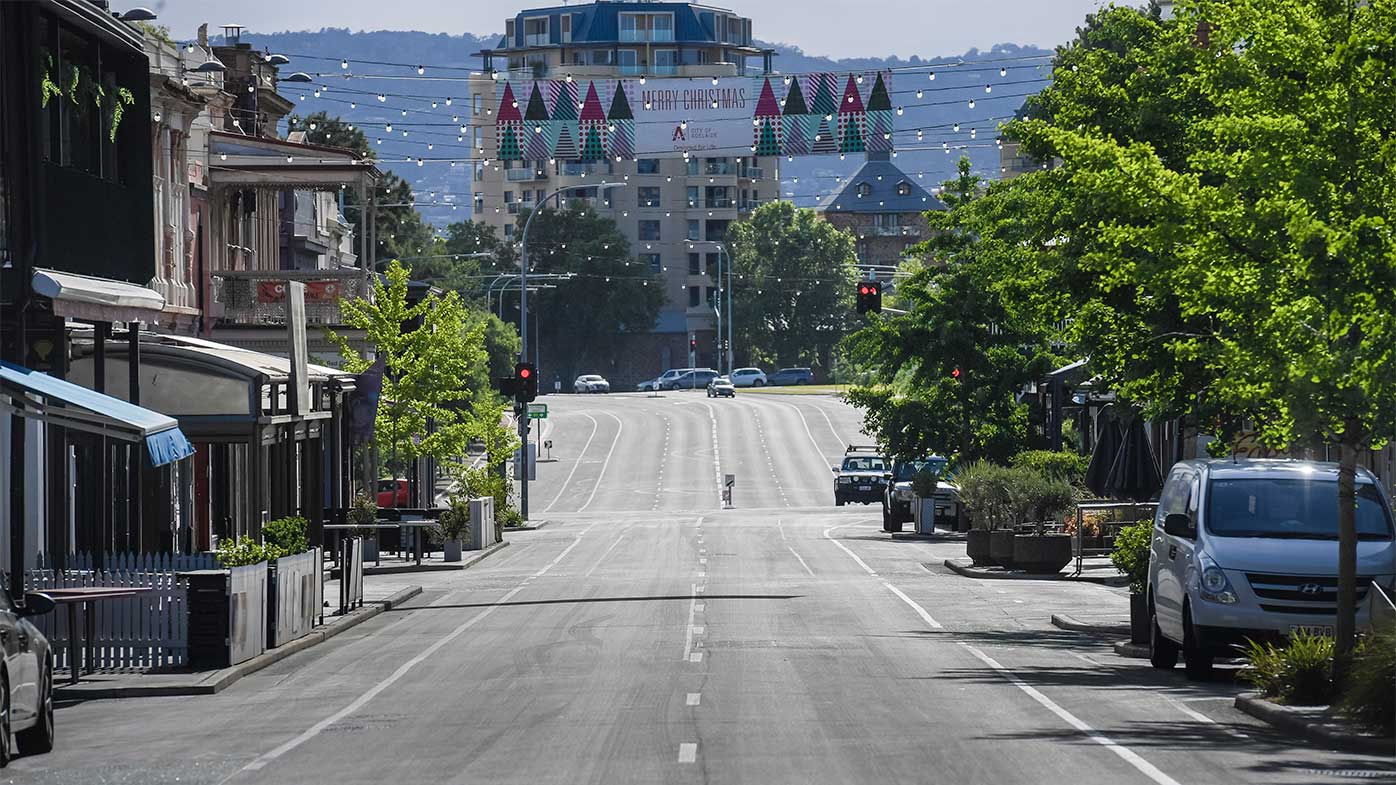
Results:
x,y
85,596
339,528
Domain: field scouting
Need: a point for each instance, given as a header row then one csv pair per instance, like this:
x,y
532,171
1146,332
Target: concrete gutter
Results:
x,y
1074,624
966,568
1314,724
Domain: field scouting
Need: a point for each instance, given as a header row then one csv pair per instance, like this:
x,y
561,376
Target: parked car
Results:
x,y
385,493
691,379
792,376
27,681
749,377
662,382
1247,549
721,385
591,383
860,477
898,494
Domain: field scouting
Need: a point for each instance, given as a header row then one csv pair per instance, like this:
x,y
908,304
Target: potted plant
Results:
x,y
1131,557
453,527
982,494
363,513
1042,497
924,485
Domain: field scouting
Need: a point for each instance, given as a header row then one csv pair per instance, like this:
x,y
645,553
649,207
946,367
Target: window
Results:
x,y
648,196
711,299
601,57
479,202
566,28
886,220
712,261
508,231
693,196
864,190
654,261
649,230
536,31
695,296
716,230
903,188
666,62
694,229
695,264
477,104
509,31
646,27
629,61
508,197
479,138
692,168
479,171
647,166
73,129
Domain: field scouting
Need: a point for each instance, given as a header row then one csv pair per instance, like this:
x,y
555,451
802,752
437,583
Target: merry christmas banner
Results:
x,y
589,120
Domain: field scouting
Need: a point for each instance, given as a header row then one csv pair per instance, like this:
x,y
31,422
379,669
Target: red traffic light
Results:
x,y
955,373
864,290
524,373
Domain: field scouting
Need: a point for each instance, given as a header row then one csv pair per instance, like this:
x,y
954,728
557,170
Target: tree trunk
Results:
x,y
1345,627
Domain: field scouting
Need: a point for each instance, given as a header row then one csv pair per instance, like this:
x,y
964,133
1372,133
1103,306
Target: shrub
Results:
x,y
455,520
1044,497
287,535
985,492
507,516
244,551
364,508
1052,463
925,482
1300,673
1369,696
1131,554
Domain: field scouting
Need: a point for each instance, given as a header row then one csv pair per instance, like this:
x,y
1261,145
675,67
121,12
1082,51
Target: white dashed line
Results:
x,y
696,656
688,753
693,699
796,554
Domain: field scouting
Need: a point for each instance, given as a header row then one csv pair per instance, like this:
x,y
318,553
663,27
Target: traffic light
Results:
x,y
957,375
692,343
869,297
525,382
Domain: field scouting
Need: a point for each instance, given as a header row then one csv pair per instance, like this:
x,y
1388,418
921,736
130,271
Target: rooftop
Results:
x,y
600,23
879,186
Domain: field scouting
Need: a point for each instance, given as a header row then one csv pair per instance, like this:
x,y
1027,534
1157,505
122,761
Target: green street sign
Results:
x,y
537,411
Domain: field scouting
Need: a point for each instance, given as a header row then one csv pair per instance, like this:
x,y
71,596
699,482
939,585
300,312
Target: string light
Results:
x,y
421,70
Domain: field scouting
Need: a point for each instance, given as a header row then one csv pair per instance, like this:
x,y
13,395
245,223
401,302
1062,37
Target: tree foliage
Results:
x,y
794,286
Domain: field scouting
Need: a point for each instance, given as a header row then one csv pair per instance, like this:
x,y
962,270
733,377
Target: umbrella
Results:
x,y
1134,476
1103,454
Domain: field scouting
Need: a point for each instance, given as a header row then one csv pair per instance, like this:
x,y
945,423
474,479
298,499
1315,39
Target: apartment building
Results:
x,y
675,212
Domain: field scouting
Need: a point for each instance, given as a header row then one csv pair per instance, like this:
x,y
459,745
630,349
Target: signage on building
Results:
x,y
768,115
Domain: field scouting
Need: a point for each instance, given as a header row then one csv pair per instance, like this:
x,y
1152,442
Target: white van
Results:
x,y
1248,549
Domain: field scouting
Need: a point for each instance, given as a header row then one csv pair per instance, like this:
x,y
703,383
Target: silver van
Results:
x,y
1248,549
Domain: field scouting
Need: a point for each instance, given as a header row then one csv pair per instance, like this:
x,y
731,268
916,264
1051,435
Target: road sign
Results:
x,y
537,411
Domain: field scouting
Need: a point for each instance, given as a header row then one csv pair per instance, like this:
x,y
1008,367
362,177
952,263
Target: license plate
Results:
x,y
864,487
1312,629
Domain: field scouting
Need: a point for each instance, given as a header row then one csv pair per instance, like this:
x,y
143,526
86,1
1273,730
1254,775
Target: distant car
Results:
x,y
591,383
691,379
721,385
860,478
898,494
749,377
664,380
385,493
792,376
27,679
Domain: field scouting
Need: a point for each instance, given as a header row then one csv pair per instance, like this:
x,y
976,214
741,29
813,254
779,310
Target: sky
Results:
x,y
833,28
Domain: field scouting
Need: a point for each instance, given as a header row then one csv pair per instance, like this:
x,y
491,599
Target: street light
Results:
x,y
722,253
523,316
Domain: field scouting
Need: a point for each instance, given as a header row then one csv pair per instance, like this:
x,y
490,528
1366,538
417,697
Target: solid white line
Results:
x,y
693,699
604,464
594,428
697,629
817,451
926,617
717,456
688,753
861,563
780,528
1130,756
402,670
692,610
599,559
802,561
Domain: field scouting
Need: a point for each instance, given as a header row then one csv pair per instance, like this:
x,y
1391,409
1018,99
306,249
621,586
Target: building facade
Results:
x,y
674,212
884,209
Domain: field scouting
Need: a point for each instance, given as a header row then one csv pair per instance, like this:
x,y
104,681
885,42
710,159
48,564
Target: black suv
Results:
x,y
861,476
897,495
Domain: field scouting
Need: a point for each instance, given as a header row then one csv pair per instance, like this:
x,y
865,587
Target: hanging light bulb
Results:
x,y
353,104
420,70
899,111
448,100
317,93
1003,71
787,81
932,76
404,112
382,98
919,93
988,88
971,103
312,126
642,78
252,88
433,104
714,81
343,63
388,128
956,127
860,78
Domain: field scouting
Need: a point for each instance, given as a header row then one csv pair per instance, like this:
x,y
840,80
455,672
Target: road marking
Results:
x,y
700,607
688,753
698,630
702,561
818,452
1130,756
603,555
403,669
926,617
717,456
594,428
780,528
1204,719
604,464
702,573
693,699
802,561
696,656
702,589
692,611
845,549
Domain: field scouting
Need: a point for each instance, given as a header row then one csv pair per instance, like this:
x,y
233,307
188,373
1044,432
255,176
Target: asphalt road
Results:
x,y
647,636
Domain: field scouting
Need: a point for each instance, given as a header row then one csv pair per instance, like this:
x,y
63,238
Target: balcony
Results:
x,y
752,173
718,168
891,231
642,36
720,203
751,204
255,297
524,175
536,39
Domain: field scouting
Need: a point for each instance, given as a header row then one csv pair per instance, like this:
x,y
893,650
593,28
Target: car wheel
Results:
x,y
6,751
838,501
39,739
758,383
1163,653
1197,661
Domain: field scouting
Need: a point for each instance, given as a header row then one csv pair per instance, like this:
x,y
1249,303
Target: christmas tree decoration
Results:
x,y
508,125
621,141
566,130
767,123
797,126
880,118
823,107
593,126
852,120
539,145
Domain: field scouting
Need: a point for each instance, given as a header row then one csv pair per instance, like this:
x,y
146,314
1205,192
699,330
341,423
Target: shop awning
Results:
x,y
71,406
99,299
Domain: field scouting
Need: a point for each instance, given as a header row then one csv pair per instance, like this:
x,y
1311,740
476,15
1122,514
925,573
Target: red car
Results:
x,y
385,493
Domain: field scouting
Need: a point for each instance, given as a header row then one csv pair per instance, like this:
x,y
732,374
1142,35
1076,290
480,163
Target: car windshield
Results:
x,y
1290,508
907,469
868,463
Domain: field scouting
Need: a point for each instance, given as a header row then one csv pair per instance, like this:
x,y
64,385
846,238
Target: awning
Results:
x,y
72,406
99,299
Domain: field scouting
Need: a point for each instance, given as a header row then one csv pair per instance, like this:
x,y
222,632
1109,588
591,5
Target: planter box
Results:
x,y
923,515
1001,547
371,548
295,596
977,546
227,615
1041,555
451,551
1139,618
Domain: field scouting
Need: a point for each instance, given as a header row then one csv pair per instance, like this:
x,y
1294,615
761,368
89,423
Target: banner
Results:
x,y
590,120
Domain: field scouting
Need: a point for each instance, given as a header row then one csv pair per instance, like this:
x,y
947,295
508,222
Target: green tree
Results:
x,y
793,286
427,407
1263,220
401,232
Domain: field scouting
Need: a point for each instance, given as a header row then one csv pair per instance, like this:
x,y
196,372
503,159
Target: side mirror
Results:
x,y
36,604
1178,524
886,475
835,468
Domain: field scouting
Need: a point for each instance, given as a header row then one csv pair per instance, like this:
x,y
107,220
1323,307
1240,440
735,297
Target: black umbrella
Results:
x,y
1134,476
1107,444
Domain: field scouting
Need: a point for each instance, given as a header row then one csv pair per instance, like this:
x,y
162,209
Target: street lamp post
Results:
x,y
724,317
523,324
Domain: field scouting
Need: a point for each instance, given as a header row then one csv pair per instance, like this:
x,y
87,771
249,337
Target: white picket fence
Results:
x,y
141,632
